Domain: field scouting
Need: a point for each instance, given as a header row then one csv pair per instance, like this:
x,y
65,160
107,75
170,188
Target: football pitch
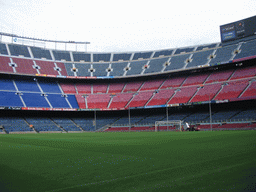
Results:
x,y
123,162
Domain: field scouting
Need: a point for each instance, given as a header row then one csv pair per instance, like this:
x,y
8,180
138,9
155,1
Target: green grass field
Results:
x,y
122,162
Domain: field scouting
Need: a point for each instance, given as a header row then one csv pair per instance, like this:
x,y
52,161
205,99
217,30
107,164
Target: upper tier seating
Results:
x,y
163,53
224,54
85,57
3,49
177,62
136,67
17,50
100,69
40,53
142,55
97,57
200,58
156,65
61,55
122,56
247,49
118,68
121,64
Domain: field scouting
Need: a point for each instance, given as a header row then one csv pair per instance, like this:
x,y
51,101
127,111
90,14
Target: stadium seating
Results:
x,y
133,86
141,99
40,53
7,85
173,82
161,97
219,76
195,79
85,57
10,99
232,90
136,67
14,124
24,66
17,50
244,72
83,88
116,87
223,55
5,65
3,49
122,56
100,88
120,100
43,124
61,55
97,57
66,123
178,83
152,85
47,67
98,101
247,49
156,65
251,90
142,55
200,58
183,95
68,88
206,92
35,100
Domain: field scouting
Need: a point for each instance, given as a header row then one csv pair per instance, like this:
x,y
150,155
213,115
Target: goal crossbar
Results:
x,y
171,122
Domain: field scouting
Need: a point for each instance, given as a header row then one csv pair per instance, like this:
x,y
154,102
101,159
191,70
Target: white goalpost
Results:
x,y
176,123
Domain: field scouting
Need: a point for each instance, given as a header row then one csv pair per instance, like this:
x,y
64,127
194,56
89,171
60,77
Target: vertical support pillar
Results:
x,y
210,111
129,115
167,118
95,120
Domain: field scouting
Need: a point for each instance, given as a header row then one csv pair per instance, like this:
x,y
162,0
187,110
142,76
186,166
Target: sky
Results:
x,y
123,26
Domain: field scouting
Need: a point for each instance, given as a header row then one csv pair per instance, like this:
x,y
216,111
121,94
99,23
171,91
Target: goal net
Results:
x,y
167,125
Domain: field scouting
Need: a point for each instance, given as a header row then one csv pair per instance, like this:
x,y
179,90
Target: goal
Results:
x,y
172,123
